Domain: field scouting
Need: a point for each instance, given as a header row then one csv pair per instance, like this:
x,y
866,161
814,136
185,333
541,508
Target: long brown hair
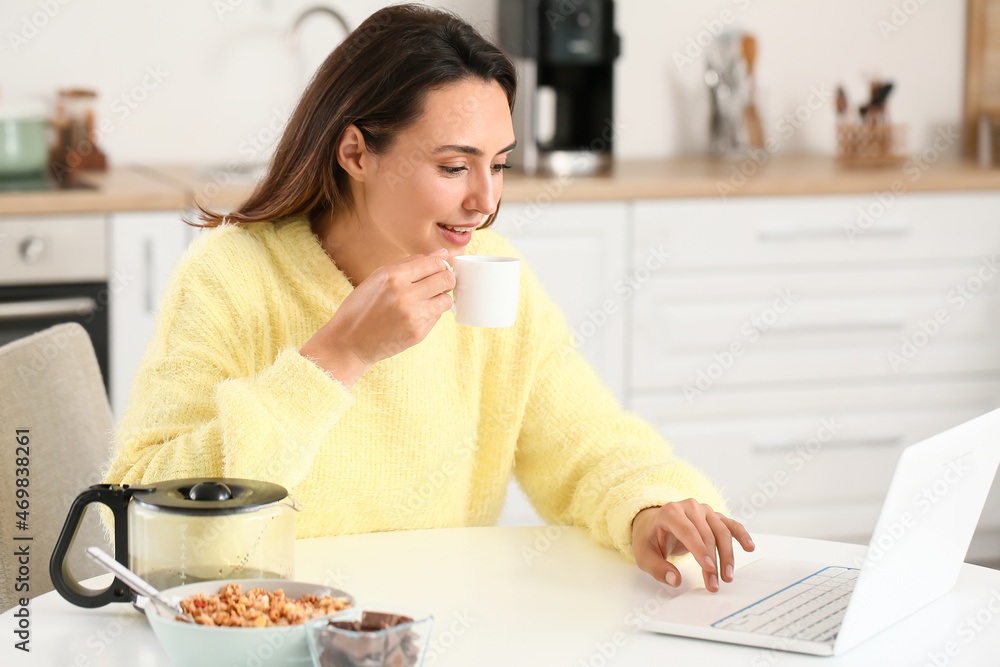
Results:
x,y
377,79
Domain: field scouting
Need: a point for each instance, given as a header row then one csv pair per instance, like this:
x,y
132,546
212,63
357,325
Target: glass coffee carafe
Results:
x,y
184,531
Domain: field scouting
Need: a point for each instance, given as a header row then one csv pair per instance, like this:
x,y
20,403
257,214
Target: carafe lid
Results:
x,y
222,495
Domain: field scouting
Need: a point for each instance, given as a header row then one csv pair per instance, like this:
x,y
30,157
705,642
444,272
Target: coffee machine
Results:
x,y
564,51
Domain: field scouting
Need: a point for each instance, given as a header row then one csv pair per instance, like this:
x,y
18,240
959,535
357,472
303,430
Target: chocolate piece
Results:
x,y
372,621
353,626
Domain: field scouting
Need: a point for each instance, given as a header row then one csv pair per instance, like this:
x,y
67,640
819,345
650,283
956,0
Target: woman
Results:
x,y
311,343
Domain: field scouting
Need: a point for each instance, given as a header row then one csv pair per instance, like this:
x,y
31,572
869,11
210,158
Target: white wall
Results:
x,y
224,74
802,44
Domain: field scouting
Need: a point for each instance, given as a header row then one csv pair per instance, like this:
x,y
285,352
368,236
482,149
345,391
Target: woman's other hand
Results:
x,y
682,527
392,310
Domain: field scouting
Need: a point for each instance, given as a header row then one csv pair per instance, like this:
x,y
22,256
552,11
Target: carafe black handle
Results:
x,y
115,498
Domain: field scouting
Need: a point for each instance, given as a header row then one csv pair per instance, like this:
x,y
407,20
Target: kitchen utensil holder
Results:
x,y
870,144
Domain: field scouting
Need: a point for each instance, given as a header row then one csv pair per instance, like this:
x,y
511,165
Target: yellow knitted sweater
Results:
x,y
425,439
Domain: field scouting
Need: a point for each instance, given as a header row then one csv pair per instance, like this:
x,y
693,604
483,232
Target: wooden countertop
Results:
x,y
214,188
177,187
680,177
777,176
118,189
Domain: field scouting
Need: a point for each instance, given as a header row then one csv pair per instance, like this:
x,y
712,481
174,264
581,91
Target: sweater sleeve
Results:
x,y
581,458
207,399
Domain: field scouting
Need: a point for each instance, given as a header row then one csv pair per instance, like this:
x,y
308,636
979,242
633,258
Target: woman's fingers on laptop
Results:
x,y
687,526
726,530
686,521
660,532
655,564
711,544
673,530
724,540
739,532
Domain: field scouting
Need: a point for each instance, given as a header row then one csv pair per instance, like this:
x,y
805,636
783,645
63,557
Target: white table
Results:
x,y
531,596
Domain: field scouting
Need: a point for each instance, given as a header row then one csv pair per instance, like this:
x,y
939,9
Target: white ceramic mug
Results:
x,y
486,290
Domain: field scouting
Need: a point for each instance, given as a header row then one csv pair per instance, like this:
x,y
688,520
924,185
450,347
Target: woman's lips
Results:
x,y
455,238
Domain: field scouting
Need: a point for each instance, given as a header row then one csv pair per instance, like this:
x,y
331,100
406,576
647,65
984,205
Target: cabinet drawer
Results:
x,y
792,326
702,371
804,230
774,450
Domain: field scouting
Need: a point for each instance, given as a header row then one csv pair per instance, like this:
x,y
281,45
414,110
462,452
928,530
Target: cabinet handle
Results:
x,y
875,324
21,310
768,446
780,233
147,257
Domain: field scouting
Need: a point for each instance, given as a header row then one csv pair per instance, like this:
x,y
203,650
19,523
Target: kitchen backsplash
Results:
x,y
195,81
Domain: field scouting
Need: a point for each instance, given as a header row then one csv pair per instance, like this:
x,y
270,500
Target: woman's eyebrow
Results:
x,y
470,150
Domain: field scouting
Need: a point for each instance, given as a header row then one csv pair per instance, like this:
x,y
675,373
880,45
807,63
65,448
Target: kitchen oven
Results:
x,y
54,269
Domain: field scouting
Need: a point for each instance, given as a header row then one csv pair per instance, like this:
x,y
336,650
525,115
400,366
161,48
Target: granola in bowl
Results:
x,y
257,607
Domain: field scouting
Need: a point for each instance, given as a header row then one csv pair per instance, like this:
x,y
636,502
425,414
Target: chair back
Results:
x,y
56,430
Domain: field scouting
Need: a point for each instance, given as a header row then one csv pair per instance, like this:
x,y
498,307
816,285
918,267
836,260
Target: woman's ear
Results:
x,y
352,154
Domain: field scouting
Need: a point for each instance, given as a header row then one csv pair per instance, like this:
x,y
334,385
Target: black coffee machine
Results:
x,y
565,52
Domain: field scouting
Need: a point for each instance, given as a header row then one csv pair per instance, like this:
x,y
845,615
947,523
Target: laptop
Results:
x,y
920,541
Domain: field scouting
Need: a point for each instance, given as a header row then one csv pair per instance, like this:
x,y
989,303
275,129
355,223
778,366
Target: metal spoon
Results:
x,y
137,583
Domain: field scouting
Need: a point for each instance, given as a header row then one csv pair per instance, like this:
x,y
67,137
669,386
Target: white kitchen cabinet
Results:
x,y
765,232
813,461
823,324
776,316
144,249
578,252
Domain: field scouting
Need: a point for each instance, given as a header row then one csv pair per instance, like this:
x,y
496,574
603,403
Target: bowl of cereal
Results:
x,y
244,622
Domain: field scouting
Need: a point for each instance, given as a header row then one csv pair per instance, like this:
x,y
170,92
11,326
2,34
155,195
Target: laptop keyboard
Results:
x,y
810,609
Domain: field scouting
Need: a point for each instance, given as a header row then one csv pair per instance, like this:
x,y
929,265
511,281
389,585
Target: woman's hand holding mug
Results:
x,y
392,310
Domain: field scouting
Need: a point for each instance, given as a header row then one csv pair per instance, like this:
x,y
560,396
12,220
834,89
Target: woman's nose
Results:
x,y
484,192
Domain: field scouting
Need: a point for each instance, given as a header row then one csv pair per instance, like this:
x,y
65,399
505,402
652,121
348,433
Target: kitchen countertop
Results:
x,y
118,189
177,187
777,176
